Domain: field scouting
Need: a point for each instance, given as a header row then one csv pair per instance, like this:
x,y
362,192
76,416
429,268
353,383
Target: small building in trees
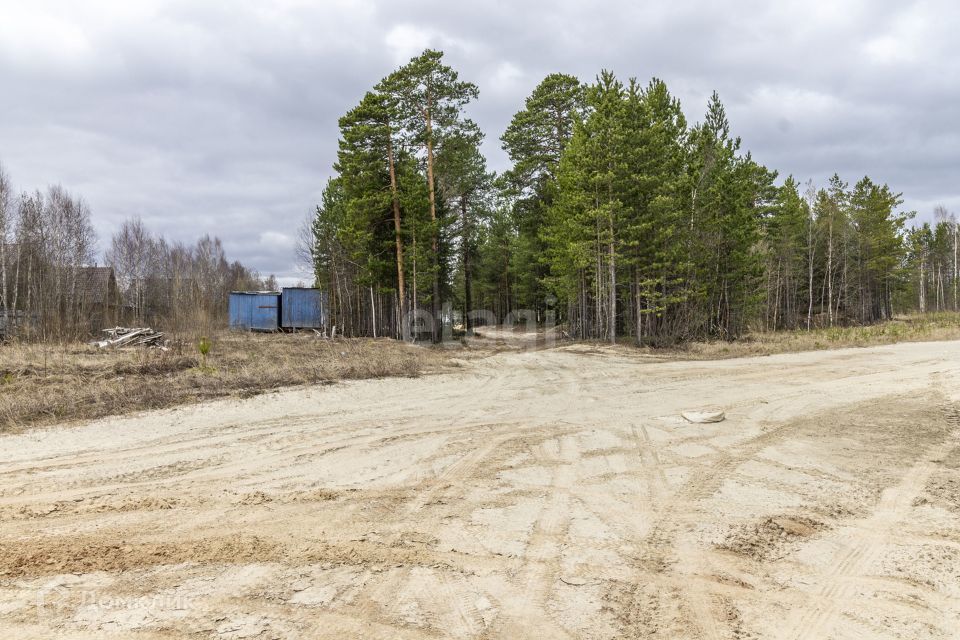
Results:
x,y
96,298
14,322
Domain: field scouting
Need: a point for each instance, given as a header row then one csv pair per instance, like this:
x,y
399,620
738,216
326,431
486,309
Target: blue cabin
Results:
x,y
255,310
303,308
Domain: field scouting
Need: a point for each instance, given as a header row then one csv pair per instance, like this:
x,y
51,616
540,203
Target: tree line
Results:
x,y
617,215
181,287
50,289
932,261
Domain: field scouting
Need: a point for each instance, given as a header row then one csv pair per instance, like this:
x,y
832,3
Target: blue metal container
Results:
x,y
255,310
303,308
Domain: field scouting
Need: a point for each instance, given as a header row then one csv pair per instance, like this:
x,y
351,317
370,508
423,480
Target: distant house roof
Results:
x,y
96,285
9,250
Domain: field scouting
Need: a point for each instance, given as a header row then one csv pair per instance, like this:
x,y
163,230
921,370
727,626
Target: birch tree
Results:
x,y
6,224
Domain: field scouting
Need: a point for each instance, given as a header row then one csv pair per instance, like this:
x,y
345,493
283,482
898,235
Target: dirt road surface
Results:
x,y
531,494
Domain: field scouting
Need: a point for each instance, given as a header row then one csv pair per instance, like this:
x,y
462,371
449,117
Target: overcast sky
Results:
x,y
220,117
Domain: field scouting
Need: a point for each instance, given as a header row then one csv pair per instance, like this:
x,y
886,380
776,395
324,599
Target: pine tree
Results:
x,y
465,184
879,231
429,97
729,195
581,231
640,225
650,232
535,141
785,235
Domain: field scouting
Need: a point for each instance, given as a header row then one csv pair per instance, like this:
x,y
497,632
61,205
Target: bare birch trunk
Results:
x,y
810,276
776,304
465,248
923,280
955,266
373,313
3,273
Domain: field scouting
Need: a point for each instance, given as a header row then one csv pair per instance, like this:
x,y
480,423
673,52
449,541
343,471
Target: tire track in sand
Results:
x,y
467,620
865,544
666,549
542,552
693,591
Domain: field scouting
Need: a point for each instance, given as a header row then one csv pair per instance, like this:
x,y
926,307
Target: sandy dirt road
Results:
x,y
533,494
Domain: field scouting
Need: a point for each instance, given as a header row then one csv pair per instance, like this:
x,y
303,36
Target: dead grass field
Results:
x,y
43,384
911,328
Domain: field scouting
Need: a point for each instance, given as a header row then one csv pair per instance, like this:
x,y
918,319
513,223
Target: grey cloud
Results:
x,y
220,117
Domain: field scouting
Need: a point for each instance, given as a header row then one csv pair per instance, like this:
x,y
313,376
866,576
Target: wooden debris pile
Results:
x,y
132,337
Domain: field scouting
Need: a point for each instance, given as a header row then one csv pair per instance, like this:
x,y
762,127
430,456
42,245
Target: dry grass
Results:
x,y
47,384
911,328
